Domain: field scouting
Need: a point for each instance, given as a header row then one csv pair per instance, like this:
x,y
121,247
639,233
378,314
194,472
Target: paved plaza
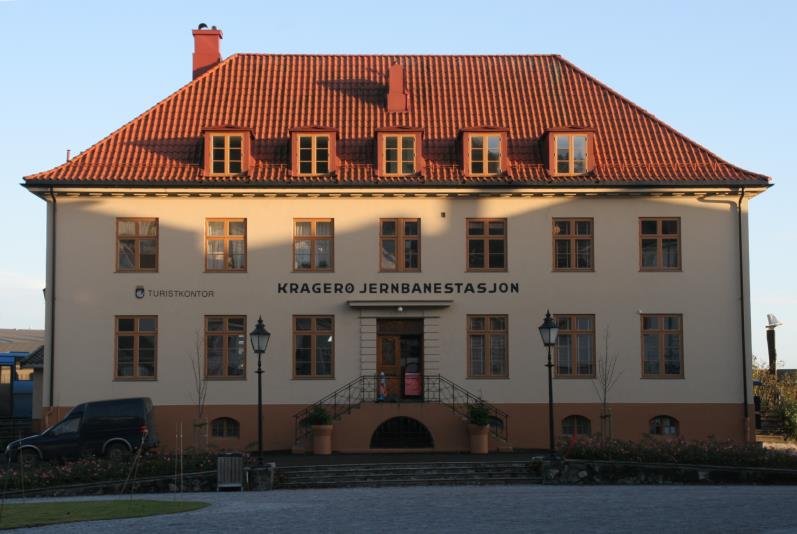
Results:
x,y
493,509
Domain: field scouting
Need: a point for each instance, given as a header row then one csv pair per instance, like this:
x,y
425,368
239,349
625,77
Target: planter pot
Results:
x,y
478,438
322,439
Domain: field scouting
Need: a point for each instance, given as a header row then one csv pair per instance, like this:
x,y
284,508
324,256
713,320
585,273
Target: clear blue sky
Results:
x,y
721,72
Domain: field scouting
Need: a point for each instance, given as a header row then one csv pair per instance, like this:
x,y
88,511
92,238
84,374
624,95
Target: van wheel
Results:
x,y
28,458
117,452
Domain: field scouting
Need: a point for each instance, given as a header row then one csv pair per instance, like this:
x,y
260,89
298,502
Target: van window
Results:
x,y
68,426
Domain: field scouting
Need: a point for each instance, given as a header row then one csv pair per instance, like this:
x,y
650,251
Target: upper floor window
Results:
x,y
575,346
136,347
225,245
662,346
226,151
572,243
485,154
660,244
486,244
400,244
225,346
313,242
136,245
487,346
571,154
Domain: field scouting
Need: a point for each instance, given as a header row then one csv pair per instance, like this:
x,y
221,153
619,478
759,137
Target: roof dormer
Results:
x,y
398,151
484,151
227,151
314,151
570,151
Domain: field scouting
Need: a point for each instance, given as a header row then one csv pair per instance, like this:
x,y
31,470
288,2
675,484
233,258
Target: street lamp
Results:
x,y
549,331
259,338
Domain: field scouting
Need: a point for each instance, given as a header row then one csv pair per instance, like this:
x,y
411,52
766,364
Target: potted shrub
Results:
x,y
478,427
321,422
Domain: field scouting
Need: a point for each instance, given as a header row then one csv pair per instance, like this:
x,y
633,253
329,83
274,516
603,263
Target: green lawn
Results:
x,y
36,514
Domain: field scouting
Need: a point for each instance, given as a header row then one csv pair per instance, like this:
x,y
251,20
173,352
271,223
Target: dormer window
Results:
x,y
313,152
227,151
571,154
227,154
570,151
398,151
484,152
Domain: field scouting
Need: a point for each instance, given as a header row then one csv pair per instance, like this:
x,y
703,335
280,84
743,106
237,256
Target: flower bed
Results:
x,y
91,470
677,451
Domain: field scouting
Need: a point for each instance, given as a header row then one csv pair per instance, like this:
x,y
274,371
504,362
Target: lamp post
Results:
x,y
259,338
549,331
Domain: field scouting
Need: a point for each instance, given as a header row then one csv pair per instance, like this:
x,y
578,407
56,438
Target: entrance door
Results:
x,y
389,363
400,357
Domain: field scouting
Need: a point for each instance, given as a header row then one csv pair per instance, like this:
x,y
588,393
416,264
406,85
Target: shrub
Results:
x,y
658,450
91,470
318,416
478,414
787,412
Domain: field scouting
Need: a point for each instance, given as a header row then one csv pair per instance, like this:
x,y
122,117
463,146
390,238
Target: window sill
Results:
x,y
226,378
135,271
504,270
505,377
662,377
678,270
313,271
135,379
313,377
590,270
210,271
574,377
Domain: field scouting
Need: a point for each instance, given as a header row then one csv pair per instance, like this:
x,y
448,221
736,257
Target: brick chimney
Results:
x,y
207,48
397,97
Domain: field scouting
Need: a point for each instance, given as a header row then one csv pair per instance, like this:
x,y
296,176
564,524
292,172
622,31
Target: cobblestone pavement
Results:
x,y
493,509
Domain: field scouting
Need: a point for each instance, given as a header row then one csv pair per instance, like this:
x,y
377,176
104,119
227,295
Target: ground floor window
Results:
x,y
313,346
487,346
136,347
225,346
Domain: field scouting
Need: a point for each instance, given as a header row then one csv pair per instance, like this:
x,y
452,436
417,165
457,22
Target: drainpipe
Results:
x,y
52,299
742,317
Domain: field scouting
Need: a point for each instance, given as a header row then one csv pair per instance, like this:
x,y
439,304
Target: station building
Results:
x,y
412,217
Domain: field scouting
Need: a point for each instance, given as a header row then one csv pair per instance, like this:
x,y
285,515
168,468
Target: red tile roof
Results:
x,y
270,94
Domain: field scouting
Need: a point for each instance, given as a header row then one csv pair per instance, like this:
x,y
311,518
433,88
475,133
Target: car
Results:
x,y
111,428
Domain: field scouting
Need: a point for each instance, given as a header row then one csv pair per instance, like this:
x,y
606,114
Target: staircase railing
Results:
x,y
371,388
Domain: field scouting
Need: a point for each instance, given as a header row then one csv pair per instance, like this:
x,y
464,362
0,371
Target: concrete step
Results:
x,y
411,482
400,474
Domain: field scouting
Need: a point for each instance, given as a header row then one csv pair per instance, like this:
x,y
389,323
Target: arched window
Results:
x,y
402,433
664,425
225,427
576,425
496,425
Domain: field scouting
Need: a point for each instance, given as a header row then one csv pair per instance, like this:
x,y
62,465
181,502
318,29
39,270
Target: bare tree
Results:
x,y
199,393
606,377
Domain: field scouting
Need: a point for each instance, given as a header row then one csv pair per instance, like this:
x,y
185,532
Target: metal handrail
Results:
x,y
436,388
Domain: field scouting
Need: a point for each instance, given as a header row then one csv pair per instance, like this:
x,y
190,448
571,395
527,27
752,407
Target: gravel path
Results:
x,y
493,509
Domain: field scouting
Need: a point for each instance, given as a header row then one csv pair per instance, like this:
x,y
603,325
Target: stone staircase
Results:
x,y
406,474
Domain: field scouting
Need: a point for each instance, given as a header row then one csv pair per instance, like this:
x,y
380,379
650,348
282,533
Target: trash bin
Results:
x,y
230,471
